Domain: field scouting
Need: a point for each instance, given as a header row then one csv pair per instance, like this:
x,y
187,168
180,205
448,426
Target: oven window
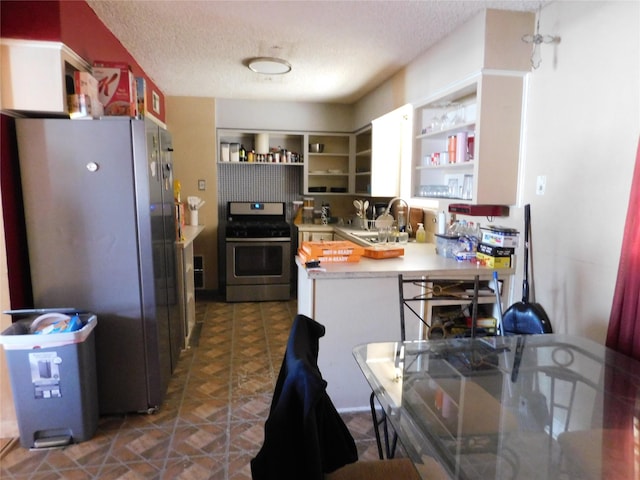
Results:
x,y
255,260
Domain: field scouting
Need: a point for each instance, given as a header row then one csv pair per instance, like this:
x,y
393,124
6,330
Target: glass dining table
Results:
x,y
512,407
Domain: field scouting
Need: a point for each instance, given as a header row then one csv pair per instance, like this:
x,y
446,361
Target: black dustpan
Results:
x,y
526,317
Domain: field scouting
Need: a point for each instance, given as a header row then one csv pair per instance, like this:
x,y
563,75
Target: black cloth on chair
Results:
x,y
305,437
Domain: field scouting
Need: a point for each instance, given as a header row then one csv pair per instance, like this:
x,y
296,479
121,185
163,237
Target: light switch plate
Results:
x,y
202,185
541,184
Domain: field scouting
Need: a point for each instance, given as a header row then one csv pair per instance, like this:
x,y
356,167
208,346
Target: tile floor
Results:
x,y
211,423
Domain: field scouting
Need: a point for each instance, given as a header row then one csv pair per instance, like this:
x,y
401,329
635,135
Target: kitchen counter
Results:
x,y
420,259
190,233
360,303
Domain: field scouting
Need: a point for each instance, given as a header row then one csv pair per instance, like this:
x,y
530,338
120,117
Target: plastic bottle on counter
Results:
x,y
402,220
421,235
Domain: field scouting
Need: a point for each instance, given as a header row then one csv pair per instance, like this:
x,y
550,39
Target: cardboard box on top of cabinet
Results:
x,y
116,88
141,94
84,102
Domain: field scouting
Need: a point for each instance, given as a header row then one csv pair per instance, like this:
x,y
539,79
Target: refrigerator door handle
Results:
x,y
168,177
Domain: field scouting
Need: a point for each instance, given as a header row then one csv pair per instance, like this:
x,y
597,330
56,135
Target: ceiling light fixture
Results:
x,y
269,65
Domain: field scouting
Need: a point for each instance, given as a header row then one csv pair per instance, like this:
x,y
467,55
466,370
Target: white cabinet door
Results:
x,y
391,147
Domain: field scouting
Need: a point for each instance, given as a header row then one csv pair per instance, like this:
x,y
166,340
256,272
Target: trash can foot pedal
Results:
x,y
52,442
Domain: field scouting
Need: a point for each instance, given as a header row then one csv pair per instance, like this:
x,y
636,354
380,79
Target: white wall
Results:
x,y
283,116
490,39
580,129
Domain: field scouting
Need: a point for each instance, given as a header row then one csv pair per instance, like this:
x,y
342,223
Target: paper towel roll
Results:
x,y
262,143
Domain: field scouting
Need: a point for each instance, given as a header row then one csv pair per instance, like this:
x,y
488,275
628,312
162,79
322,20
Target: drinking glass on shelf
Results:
x,y
435,124
467,187
458,117
453,188
445,121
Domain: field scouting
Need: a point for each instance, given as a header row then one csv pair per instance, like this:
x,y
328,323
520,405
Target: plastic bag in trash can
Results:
x,y
55,323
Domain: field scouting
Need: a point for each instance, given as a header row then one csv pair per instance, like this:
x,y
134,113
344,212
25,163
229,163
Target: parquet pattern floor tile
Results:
x,y
211,423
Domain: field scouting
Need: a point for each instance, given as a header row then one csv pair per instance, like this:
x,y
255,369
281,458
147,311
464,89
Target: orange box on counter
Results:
x,y
305,257
383,252
116,88
331,248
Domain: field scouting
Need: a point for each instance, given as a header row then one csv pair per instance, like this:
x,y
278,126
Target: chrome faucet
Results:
x,y
398,199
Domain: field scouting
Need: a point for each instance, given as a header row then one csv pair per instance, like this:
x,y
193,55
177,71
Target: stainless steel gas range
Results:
x,y
258,252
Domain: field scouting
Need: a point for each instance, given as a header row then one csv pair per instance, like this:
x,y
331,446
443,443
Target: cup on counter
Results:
x,y
403,237
307,214
383,234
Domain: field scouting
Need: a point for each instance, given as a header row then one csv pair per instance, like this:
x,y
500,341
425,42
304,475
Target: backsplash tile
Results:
x,y
258,183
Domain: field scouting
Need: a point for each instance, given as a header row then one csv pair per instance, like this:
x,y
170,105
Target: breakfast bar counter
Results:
x,y
419,259
359,303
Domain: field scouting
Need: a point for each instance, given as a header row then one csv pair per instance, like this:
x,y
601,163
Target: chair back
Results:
x,y
305,437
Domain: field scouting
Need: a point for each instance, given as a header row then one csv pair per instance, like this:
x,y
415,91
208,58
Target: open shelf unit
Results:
x,y
329,171
481,116
290,141
363,162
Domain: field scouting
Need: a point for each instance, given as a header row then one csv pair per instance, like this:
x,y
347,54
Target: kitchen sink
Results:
x,y
365,235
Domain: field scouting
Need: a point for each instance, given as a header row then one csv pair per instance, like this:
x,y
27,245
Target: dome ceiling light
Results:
x,y
269,65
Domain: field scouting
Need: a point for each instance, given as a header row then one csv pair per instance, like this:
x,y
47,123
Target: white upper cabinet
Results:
x,y
467,141
390,147
32,76
381,149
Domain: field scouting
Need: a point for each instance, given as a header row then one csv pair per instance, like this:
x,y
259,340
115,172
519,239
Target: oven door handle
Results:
x,y
261,239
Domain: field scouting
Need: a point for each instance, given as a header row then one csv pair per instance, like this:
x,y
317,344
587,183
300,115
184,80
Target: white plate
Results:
x,y
384,221
334,171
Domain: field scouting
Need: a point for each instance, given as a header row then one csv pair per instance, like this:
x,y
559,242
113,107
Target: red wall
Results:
x,y
77,26
37,20
15,232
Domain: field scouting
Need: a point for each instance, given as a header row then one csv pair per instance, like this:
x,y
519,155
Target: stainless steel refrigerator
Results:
x,y
99,212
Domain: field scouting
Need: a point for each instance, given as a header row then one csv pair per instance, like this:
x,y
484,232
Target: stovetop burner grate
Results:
x,y
257,220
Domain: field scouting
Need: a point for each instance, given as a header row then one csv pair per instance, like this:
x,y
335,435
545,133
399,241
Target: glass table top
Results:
x,y
535,406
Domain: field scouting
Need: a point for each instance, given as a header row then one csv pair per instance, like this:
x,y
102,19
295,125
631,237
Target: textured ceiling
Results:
x,y
339,50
